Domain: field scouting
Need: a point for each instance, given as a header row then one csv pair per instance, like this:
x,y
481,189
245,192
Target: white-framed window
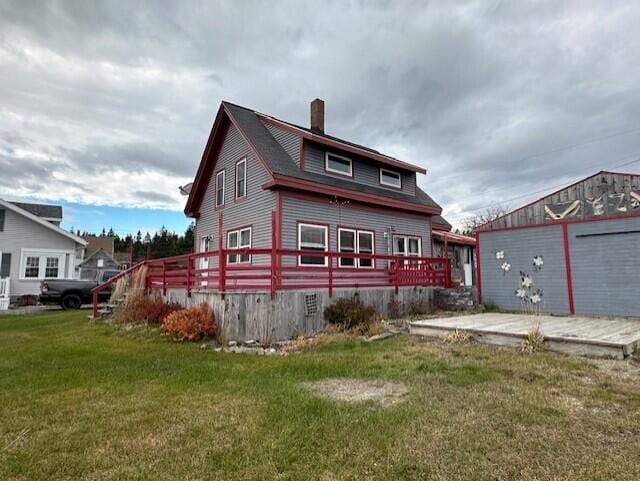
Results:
x,y
338,164
220,178
390,178
409,246
32,267
239,239
357,242
46,264
51,268
100,263
312,237
241,178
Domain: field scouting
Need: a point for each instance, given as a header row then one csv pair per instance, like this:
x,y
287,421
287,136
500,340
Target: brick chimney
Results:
x,y
317,115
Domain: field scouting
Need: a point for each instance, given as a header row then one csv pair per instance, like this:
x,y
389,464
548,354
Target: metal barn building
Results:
x,y
578,248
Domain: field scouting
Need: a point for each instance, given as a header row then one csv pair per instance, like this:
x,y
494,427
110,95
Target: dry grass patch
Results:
x,y
384,393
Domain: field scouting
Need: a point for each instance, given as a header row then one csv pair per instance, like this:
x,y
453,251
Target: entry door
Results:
x,y
466,266
204,261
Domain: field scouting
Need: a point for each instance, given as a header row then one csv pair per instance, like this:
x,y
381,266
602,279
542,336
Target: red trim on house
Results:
x,y
356,230
342,146
237,199
208,161
567,261
549,195
478,273
455,238
319,197
294,183
552,223
313,253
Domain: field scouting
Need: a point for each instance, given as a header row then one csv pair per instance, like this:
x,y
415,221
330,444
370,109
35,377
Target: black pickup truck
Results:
x,y
71,293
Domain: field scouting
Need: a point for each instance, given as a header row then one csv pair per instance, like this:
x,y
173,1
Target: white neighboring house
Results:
x,y
34,247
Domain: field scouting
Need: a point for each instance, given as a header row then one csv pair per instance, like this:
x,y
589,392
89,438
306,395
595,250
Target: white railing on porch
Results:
x,y
4,294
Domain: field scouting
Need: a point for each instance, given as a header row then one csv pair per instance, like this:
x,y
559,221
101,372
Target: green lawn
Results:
x,y
80,400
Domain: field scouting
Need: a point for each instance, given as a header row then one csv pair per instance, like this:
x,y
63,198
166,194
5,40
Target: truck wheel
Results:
x,y
71,301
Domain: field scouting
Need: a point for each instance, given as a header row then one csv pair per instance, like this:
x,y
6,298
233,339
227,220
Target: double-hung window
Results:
x,y
313,238
241,178
338,164
239,239
356,242
408,246
51,268
32,267
389,178
220,177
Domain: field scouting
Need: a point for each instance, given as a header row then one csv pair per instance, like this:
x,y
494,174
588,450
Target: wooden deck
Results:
x,y
584,336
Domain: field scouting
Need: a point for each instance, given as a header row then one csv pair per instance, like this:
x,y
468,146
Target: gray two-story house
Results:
x,y
328,194
34,247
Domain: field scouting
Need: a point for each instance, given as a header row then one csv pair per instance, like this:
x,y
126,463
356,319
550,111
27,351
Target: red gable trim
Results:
x,y
305,185
210,155
454,238
342,146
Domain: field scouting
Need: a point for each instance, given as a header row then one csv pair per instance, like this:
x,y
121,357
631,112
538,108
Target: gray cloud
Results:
x,y
495,99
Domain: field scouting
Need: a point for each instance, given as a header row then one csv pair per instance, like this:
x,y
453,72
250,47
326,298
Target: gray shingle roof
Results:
x,y
281,163
41,210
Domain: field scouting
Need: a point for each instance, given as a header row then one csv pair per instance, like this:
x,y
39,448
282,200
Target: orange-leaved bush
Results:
x,y
190,324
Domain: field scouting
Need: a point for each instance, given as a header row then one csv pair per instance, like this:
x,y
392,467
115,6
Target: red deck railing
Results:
x,y
272,270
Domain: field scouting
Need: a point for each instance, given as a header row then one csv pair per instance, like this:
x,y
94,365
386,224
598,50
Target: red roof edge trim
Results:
x,y
294,183
342,146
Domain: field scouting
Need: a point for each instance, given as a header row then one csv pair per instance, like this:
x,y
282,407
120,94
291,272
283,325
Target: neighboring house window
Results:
x,y
46,264
1,220
357,242
100,262
239,239
312,237
220,188
338,164
51,268
241,178
390,178
407,246
32,267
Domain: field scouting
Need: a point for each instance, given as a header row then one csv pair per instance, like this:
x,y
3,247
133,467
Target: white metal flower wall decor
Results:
x,y
538,262
505,266
530,297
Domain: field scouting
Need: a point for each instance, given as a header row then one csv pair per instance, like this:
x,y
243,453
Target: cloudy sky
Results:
x,y
105,106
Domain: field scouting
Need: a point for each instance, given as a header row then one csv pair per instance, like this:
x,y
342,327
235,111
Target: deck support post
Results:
x,y
222,258
330,261
164,278
274,255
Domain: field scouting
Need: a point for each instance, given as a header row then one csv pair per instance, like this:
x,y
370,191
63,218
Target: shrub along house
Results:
x,y
579,246
33,247
299,214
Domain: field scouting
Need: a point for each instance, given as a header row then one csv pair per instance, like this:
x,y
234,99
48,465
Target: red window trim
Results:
x,y
356,230
235,180
224,189
328,247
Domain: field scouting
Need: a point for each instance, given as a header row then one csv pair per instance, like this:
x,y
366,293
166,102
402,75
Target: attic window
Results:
x,y
390,178
220,188
337,164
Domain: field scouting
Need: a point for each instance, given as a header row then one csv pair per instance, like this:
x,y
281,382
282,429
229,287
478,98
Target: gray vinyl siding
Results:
x,y
290,142
520,246
606,268
365,171
23,233
322,211
254,211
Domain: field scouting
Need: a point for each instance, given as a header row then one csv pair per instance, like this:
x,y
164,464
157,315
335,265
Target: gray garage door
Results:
x,y
605,264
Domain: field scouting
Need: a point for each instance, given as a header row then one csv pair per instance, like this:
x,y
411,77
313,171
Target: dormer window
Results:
x,y
389,178
337,164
